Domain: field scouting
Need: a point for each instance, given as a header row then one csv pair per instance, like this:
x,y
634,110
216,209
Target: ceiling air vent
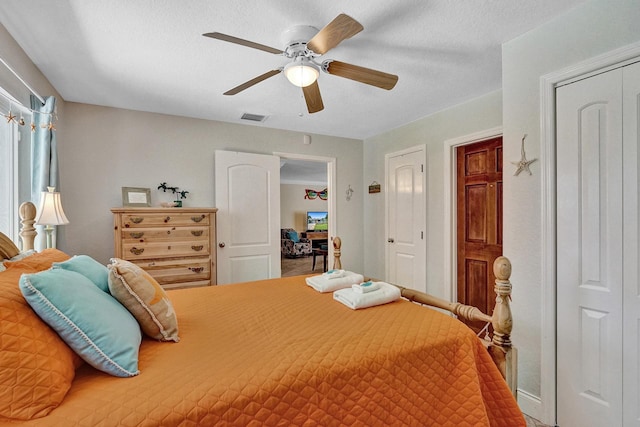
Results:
x,y
254,117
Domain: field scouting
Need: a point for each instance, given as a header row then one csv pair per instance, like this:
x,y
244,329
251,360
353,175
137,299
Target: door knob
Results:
x,y
390,240
221,244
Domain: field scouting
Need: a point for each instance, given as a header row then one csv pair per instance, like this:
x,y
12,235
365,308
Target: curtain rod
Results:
x,y
22,81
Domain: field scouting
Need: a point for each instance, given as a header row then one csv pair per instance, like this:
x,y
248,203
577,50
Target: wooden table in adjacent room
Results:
x,y
323,252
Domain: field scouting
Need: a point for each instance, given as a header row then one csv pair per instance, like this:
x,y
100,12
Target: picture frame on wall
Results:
x,y
136,196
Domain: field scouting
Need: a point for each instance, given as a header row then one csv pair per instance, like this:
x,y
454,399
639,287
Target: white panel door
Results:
x,y
589,251
631,305
248,219
406,246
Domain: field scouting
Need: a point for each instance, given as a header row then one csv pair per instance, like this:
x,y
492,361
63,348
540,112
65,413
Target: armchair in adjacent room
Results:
x,y
292,245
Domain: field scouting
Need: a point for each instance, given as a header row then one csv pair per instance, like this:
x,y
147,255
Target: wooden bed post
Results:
x,y
501,320
27,232
500,348
337,243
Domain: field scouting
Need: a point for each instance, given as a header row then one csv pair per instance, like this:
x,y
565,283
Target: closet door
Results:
x,y
631,305
589,251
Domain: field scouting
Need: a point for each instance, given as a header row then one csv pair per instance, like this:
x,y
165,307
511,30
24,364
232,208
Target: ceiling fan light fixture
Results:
x,y
301,72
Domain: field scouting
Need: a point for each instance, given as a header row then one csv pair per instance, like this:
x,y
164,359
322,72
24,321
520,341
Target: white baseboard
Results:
x,y
530,405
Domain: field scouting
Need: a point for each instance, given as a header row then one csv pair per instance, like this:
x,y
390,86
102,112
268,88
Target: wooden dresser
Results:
x,y
175,245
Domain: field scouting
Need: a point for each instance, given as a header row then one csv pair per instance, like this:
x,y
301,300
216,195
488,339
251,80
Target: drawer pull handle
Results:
x,y
197,232
196,269
136,235
197,248
167,219
136,251
137,219
197,218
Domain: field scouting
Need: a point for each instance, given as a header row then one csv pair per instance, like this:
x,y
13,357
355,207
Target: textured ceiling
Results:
x,y
303,172
150,55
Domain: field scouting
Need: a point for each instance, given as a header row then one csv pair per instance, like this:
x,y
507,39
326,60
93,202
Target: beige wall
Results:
x,y
105,149
294,207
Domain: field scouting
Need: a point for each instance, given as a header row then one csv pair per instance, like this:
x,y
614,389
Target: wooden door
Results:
x,y
248,201
406,244
589,251
479,222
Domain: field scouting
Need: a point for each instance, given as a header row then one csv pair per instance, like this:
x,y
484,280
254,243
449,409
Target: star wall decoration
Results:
x,y
523,164
49,126
10,117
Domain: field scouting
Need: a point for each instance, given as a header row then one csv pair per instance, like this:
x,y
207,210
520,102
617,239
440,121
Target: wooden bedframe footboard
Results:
x,y
499,345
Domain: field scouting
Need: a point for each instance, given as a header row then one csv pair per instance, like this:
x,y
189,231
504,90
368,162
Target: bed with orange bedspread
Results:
x,y
276,352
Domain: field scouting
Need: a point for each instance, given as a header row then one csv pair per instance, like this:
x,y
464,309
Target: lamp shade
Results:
x,y
50,210
301,72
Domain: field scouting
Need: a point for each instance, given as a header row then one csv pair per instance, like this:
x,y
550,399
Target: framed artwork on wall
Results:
x,y
134,196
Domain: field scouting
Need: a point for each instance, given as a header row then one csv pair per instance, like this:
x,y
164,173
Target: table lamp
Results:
x,y
50,213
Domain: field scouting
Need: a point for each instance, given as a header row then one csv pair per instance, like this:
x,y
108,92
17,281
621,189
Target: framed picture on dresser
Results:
x,y
136,197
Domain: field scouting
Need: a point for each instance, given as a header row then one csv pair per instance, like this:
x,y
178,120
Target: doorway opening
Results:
x,y
450,291
478,223
307,213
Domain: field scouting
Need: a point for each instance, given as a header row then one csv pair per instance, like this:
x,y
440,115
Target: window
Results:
x,y
15,152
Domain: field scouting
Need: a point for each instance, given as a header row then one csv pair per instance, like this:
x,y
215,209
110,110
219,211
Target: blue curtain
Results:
x,y
44,157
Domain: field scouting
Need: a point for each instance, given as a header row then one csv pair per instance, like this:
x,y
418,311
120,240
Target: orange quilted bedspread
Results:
x,y
278,353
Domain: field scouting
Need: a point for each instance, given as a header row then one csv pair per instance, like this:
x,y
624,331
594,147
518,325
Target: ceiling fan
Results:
x,y
304,45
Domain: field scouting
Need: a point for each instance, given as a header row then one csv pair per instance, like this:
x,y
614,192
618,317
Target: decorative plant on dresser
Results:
x,y
175,246
179,194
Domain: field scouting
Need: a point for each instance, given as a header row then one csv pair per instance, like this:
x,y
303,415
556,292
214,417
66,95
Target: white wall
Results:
x,y
479,114
584,32
105,149
294,206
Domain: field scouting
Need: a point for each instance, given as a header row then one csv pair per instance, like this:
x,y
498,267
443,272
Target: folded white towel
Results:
x,y
385,294
323,284
364,287
334,274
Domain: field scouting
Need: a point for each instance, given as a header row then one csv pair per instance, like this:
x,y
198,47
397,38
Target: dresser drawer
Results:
x,y
142,250
177,271
165,234
136,220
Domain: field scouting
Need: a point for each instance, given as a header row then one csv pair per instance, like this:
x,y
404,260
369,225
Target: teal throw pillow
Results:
x,y
94,324
293,235
89,268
